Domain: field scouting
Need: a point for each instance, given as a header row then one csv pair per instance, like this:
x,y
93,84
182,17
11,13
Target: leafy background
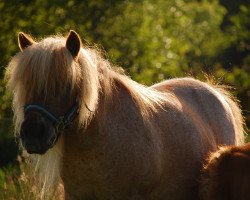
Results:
x,y
152,39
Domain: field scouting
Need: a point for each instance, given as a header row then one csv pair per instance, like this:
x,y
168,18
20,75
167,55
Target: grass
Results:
x,y
20,183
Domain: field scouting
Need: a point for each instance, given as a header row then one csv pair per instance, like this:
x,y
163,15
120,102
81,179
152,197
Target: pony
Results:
x,y
105,136
226,174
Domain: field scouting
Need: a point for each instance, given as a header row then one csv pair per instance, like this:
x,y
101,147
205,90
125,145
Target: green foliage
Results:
x,y
241,25
158,41
5,112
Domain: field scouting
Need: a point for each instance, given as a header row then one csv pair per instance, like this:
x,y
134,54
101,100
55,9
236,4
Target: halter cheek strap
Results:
x,y
60,123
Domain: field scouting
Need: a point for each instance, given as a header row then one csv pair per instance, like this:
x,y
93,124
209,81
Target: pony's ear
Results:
x,y
24,41
73,43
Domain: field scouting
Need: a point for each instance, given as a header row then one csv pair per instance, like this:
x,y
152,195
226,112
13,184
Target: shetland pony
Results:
x,y
227,174
123,140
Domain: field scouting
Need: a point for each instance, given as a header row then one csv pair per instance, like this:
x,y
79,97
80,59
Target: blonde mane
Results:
x,y
46,68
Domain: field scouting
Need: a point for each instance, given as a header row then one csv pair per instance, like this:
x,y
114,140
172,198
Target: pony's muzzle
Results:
x,y
37,133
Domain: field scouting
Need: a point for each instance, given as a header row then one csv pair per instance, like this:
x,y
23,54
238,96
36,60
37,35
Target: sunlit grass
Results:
x,y
20,183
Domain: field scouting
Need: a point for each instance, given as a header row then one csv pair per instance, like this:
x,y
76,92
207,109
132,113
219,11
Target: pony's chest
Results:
x,y
80,175
90,180
100,173
83,168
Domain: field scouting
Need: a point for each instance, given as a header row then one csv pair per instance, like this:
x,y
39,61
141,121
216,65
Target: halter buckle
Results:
x,y
61,124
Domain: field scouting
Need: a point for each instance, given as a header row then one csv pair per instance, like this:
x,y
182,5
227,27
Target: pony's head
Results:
x,y
53,81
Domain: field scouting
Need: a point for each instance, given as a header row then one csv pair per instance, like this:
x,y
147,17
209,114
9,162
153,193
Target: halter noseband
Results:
x,y
60,123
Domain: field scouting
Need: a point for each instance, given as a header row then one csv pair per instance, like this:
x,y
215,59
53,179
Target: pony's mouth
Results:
x,y
36,151
38,148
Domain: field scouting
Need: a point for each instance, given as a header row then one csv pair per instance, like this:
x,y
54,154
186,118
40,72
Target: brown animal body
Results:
x,y
226,176
129,141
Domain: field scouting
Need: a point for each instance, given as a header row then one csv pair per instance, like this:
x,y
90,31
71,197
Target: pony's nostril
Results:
x,y
33,129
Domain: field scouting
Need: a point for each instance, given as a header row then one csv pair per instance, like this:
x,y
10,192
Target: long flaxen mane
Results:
x,y
46,68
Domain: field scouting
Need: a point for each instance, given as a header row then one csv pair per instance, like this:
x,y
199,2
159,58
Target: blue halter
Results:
x,y
60,123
